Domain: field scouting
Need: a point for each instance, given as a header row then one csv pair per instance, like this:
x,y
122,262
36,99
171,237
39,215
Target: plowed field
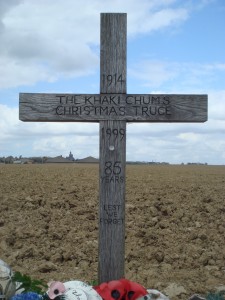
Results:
x,y
175,224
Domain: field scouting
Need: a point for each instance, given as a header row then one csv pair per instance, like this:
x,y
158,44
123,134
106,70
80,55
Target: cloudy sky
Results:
x,y
174,46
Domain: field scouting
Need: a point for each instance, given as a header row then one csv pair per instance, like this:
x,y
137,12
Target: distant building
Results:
x,y
57,159
70,157
17,162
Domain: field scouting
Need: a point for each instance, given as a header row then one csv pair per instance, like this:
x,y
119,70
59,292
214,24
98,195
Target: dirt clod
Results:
x,y
174,224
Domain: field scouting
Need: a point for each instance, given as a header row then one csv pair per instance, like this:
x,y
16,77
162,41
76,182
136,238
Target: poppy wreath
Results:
x,y
122,289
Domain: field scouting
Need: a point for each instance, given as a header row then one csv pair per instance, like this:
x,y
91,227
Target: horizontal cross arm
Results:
x,y
123,107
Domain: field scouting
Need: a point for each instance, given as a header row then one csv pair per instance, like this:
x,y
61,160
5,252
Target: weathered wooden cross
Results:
x,y
113,108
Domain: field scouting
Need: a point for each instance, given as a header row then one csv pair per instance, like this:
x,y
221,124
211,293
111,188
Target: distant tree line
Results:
x,y
10,159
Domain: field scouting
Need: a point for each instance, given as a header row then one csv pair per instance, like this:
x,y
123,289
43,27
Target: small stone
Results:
x,y
154,221
57,235
10,240
83,264
47,267
166,266
3,246
159,256
154,294
198,224
220,289
196,297
28,198
203,237
173,290
57,258
153,211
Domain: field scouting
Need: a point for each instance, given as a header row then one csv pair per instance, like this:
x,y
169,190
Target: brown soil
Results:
x,y
175,224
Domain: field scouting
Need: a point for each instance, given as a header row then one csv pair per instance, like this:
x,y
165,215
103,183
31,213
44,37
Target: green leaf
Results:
x,y
29,285
93,282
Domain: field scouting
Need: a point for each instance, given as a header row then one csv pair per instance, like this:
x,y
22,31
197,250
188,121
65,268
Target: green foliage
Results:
x,y
93,282
29,285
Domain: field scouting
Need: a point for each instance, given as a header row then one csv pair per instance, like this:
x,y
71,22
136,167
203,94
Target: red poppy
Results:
x,y
122,289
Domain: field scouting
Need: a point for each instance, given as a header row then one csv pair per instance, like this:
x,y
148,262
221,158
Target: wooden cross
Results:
x,y
112,108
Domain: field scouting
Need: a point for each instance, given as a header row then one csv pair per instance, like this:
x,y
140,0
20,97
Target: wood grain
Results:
x,y
111,264
124,107
113,52
112,201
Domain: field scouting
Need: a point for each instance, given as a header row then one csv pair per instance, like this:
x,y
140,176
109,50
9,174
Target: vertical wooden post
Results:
x,y
112,151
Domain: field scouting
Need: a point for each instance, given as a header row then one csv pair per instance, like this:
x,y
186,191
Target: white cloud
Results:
x,y
180,144
216,104
143,21
178,76
81,146
190,136
45,40
38,139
